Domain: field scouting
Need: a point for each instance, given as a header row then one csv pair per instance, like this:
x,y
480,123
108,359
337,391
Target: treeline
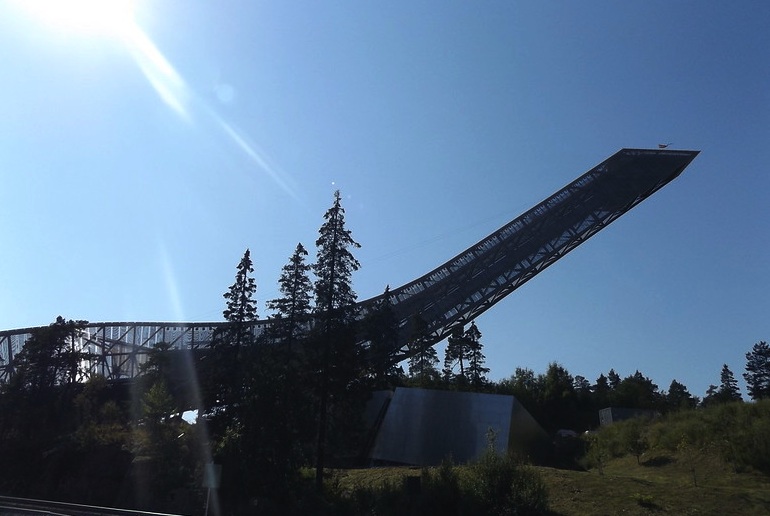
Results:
x,y
558,399
268,403
272,406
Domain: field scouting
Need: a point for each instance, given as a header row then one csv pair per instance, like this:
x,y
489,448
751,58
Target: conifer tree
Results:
x,y
380,327
476,370
51,357
292,310
757,373
456,354
335,306
423,358
728,386
292,405
241,308
224,372
678,397
711,395
334,267
601,392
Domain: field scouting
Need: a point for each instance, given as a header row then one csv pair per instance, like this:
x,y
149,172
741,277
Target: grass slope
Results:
x,y
661,484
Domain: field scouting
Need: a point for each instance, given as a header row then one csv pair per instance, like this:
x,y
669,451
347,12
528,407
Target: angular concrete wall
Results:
x,y
423,427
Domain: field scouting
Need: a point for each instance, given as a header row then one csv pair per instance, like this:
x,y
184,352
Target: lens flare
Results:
x,y
117,19
88,17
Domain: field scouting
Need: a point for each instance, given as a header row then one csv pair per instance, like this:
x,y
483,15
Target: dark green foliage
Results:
x,y
333,349
101,419
335,265
241,306
678,397
524,385
728,386
601,391
558,398
726,392
738,433
50,357
423,361
292,310
757,373
494,485
37,402
380,328
456,355
222,377
501,485
464,351
637,391
635,438
476,371
284,369
159,442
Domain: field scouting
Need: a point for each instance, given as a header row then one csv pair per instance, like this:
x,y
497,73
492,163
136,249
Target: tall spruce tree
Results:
x,y
728,385
601,392
241,308
456,353
224,373
757,373
423,358
335,304
292,309
289,330
476,359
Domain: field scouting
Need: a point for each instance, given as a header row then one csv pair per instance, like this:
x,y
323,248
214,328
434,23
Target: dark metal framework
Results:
x,y
119,348
449,296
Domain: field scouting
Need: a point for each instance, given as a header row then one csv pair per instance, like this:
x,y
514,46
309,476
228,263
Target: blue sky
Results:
x,y
138,160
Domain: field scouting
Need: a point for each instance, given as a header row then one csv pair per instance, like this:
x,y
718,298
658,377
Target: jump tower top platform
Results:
x,y
445,298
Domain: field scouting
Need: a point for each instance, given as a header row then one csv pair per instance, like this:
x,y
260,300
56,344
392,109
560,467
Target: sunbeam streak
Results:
x,y
175,93
168,84
258,157
172,286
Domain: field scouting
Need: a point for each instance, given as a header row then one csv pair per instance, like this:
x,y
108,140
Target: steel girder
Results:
x,y
447,297
464,287
119,349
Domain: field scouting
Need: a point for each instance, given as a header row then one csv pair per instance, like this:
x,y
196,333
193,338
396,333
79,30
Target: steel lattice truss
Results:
x,y
458,291
451,295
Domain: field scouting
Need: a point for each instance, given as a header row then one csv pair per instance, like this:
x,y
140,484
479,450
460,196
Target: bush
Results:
x,y
737,433
495,485
502,485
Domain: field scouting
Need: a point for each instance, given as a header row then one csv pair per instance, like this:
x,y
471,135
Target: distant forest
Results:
x,y
275,410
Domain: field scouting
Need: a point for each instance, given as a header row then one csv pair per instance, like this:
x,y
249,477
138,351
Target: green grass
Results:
x,y
660,485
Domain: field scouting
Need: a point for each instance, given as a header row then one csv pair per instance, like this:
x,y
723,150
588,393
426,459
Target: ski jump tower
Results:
x,y
449,296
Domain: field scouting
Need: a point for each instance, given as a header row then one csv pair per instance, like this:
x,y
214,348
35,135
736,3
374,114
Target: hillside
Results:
x,y
661,484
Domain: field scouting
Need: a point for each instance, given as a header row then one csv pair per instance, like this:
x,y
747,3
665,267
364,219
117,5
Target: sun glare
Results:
x,y
86,17
117,19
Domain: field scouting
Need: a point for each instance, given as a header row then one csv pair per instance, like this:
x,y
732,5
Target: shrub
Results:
x,y
737,433
495,485
502,485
